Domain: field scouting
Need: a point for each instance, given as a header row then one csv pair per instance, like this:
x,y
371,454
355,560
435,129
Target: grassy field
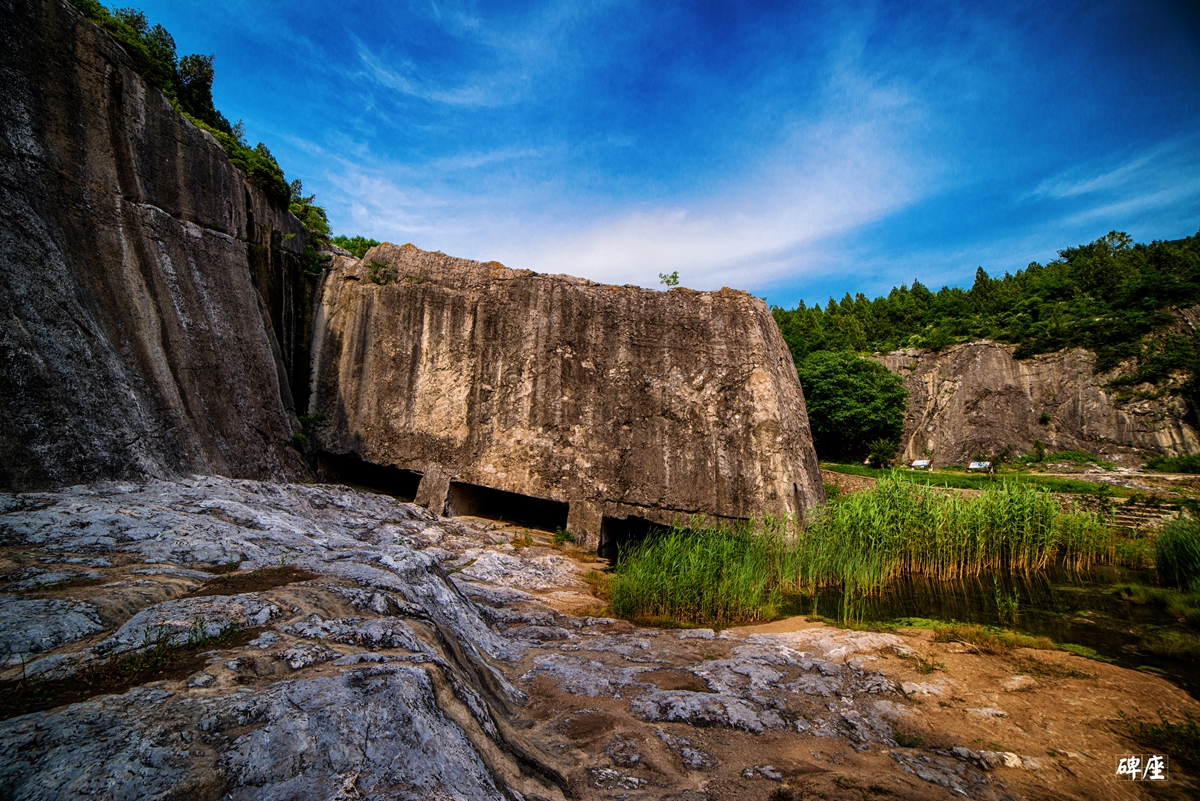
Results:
x,y
711,575
960,479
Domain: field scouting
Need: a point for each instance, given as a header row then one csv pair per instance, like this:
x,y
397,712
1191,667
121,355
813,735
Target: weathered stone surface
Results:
x,y
617,400
32,626
133,338
976,399
384,677
377,730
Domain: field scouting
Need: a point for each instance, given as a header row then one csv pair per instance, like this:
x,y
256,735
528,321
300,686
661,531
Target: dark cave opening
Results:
x,y
506,507
354,472
616,532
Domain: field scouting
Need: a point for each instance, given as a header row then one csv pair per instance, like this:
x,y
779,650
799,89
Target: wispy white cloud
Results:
x,y
1147,168
848,161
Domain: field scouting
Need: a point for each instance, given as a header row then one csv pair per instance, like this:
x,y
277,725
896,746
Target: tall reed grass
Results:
x,y
1177,554
711,575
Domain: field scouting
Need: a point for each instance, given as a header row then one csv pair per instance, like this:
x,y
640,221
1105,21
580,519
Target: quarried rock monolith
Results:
x,y
606,407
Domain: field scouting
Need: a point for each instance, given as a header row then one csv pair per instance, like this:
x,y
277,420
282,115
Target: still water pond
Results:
x,y
1070,608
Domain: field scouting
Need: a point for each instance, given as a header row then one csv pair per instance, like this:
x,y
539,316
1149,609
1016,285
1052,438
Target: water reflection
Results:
x,y
1068,607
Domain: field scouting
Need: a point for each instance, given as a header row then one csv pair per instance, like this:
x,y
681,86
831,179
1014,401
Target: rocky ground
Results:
x,y
216,638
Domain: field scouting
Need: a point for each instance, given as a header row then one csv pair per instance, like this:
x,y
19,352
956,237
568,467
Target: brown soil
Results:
x,y
675,680
265,578
1060,710
163,663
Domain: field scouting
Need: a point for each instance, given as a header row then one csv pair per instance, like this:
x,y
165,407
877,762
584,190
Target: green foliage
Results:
x,y
1177,554
1109,296
944,477
1008,604
194,91
710,575
381,273
562,537
880,452
986,639
1175,464
669,280
187,83
1182,605
357,245
309,423
851,402
306,211
1181,741
1039,455
903,526
722,575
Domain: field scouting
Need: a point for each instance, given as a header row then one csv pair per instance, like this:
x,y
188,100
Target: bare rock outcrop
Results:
x,y
337,644
978,399
134,339
619,401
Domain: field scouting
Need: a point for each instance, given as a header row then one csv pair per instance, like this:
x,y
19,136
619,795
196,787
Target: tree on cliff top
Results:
x,y
1110,296
852,403
187,83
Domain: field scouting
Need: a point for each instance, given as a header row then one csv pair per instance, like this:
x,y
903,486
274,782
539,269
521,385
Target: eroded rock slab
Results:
x,y
377,673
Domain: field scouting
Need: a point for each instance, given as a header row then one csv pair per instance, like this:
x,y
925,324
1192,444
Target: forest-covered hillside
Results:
x,y
1111,296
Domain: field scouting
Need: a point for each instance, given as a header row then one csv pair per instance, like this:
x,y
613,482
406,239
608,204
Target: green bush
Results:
x,y
1189,463
357,245
1177,553
381,273
851,402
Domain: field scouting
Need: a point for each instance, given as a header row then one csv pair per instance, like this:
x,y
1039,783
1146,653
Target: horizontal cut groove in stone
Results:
x,y
360,474
509,507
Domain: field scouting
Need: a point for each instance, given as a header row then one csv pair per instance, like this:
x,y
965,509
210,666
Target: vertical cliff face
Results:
x,y
616,401
133,337
978,399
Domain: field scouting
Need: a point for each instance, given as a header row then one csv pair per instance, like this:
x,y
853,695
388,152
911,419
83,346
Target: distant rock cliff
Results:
x,y
976,399
617,401
147,290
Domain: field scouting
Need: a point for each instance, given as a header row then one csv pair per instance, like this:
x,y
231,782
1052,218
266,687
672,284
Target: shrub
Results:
x,y
357,245
1177,553
881,451
851,402
1189,463
381,273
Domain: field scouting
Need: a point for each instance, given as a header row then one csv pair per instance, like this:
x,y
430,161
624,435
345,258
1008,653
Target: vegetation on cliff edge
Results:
x,y
1110,296
187,83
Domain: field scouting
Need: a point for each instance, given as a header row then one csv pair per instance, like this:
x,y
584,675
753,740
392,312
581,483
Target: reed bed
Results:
x,y
698,574
1177,554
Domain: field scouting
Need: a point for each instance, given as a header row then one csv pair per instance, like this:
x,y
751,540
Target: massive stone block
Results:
x,y
142,277
612,403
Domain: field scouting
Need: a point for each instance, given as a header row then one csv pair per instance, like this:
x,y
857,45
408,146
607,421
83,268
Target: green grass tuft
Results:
x,y
1177,553
1180,741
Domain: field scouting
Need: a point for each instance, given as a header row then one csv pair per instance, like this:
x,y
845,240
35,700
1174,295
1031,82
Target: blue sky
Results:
x,y
796,150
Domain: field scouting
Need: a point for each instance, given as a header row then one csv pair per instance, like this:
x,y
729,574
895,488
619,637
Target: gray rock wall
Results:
x,y
977,399
133,338
617,400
